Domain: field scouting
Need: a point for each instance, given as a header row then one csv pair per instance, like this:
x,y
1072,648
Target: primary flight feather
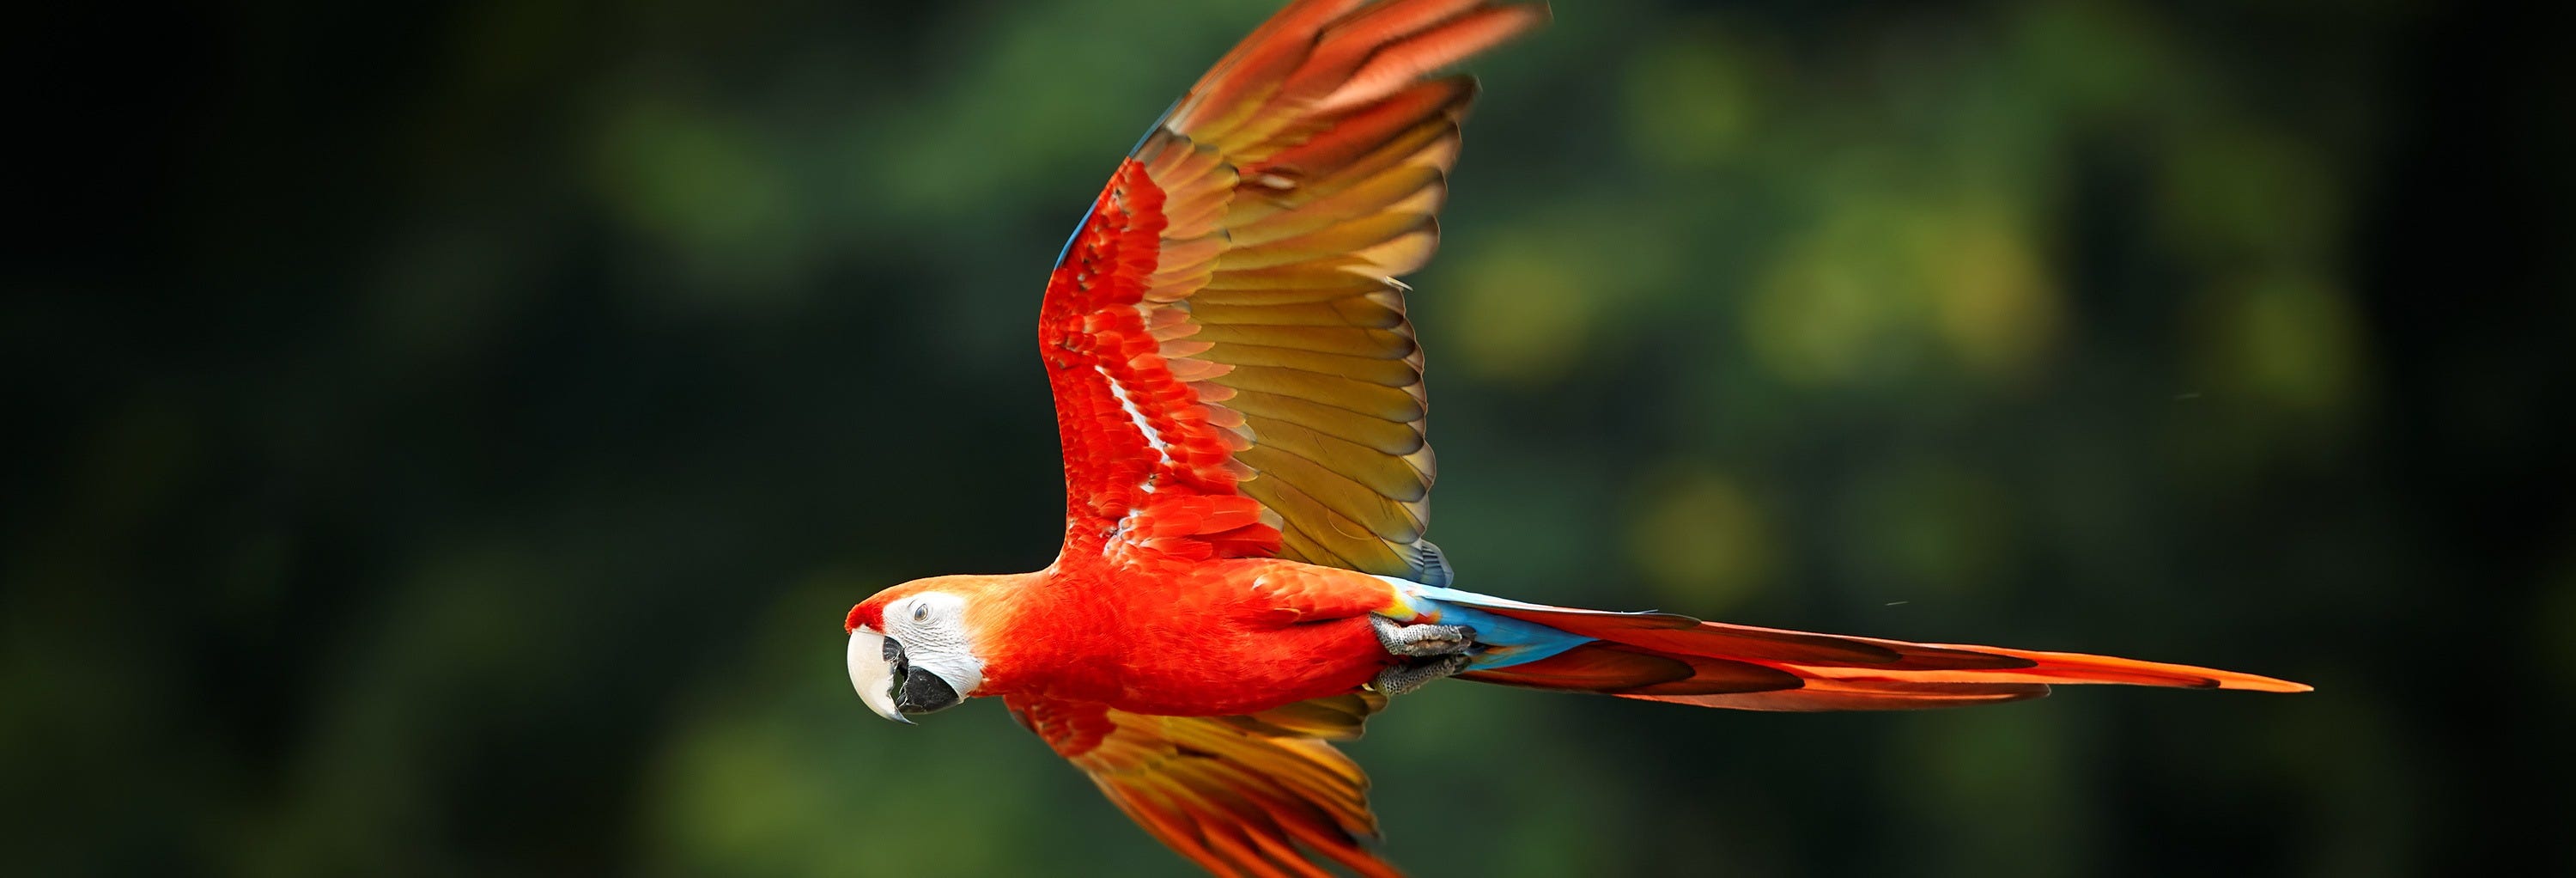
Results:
x,y
1244,576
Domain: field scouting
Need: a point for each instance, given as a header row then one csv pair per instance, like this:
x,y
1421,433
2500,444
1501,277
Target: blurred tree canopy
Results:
x,y
450,433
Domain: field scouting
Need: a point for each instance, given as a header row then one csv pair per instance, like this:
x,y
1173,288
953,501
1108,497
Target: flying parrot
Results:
x,y
1244,577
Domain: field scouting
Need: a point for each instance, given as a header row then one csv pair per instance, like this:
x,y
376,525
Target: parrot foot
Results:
x,y
1421,641
1403,679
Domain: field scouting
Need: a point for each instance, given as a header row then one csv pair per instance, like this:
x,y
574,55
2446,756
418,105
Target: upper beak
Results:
x,y
872,675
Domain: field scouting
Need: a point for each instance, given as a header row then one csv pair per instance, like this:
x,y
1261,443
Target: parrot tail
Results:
x,y
1679,659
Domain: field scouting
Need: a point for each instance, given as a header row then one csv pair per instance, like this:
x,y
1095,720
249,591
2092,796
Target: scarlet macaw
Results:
x,y
1244,576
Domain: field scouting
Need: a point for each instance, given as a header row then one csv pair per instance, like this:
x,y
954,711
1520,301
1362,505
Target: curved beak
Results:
x,y
872,674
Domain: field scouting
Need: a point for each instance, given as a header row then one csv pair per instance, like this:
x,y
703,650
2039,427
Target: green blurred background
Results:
x,y
450,435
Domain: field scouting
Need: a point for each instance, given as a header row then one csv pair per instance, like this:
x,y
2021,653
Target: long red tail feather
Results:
x,y
1678,659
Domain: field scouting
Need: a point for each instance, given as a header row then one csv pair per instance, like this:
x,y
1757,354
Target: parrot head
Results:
x,y
913,646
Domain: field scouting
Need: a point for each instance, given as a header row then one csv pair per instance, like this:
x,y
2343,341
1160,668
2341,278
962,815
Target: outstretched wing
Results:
x,y
1246,795
1233,371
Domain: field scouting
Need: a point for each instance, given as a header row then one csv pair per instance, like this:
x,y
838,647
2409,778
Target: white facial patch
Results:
x,y
932,628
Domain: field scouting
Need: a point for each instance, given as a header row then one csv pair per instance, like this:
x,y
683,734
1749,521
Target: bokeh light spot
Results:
x,y
1689,100
1701,539
2289,341
1991,296
1532,314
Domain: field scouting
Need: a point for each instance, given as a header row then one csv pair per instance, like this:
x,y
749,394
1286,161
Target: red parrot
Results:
x,y
1244,576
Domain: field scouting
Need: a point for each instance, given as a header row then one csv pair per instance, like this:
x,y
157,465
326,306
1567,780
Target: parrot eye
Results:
x,y
920,612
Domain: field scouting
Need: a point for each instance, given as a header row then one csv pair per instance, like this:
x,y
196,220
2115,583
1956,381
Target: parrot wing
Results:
x,y
1234,375
1264,794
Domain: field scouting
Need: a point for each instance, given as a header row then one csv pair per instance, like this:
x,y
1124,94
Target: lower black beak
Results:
x,y
924,692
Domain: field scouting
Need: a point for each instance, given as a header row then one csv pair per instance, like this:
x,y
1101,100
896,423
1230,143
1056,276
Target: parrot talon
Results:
x,y
1403,679
1421,641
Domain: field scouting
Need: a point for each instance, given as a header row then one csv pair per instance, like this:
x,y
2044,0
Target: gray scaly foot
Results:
x,y
1403,679
1421,641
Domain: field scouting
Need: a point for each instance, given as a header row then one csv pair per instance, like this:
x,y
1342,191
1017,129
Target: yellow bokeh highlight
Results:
x,y
1992,299
1817,316
1701,539
2290,341
1530,316
1884,288
1689,100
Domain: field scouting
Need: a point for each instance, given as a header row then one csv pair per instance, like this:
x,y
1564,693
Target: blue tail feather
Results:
x,y
1506,641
